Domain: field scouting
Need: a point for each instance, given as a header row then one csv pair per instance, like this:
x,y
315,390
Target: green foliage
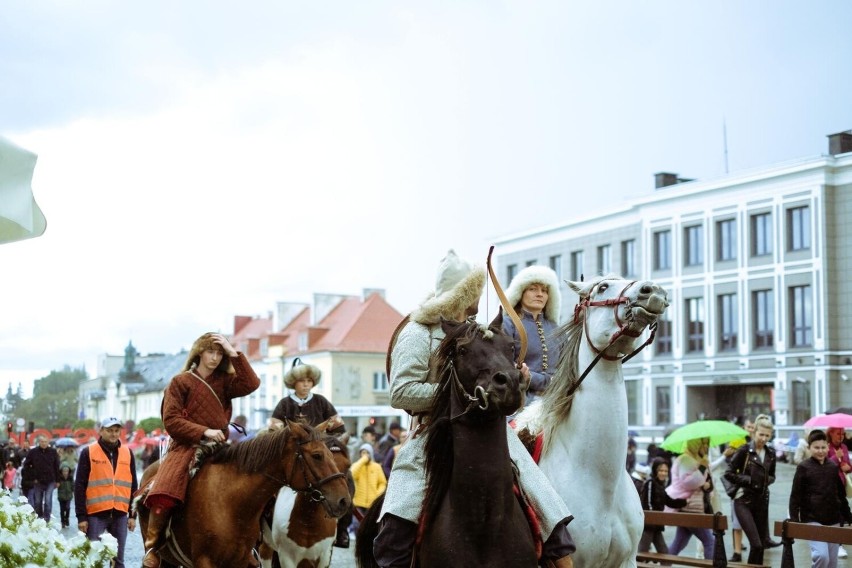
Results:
x,y
86,423
55,399
150,424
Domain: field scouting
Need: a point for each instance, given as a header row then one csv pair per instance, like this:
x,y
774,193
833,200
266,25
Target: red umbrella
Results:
x,y
838,420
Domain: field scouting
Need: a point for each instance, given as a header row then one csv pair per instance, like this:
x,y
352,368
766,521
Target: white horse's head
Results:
x,y
614,312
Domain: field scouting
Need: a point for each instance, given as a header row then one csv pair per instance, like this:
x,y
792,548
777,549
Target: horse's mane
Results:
x,y
439,440
252,455
555,405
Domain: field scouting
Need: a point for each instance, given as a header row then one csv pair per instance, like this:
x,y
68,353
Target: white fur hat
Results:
x,y
537,275
458,285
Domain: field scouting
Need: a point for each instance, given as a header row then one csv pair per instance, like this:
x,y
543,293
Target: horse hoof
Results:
x,y
342,540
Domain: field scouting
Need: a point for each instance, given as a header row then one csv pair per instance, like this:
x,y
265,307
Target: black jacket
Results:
x,y
654,498
817,495
45,463
745,470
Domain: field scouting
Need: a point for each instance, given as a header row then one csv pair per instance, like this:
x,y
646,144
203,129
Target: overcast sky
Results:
x,y
199,160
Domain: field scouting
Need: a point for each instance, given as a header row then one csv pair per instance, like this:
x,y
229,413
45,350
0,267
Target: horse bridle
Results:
x,y
312,491
473,400
623,329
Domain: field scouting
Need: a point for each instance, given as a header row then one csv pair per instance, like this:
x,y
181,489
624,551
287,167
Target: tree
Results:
x,y
55,399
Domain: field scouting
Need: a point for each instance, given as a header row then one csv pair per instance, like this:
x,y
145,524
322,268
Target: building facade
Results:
x,y
345,336
757,265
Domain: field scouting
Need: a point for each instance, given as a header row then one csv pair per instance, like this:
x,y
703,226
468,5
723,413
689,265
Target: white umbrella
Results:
x,y
20,216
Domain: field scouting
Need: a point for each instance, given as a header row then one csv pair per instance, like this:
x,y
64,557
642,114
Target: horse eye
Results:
x,y
317,456
603,287
462,351
335,450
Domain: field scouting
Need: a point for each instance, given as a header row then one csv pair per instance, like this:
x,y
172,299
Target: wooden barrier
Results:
x,y
717,523
789,531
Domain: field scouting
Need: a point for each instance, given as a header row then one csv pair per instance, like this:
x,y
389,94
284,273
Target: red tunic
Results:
x,y
190,408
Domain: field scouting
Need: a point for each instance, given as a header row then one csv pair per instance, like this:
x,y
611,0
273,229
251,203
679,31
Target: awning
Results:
x,y
20,216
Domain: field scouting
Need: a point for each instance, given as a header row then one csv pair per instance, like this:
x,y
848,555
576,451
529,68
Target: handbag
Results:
x,y
730,487
849,485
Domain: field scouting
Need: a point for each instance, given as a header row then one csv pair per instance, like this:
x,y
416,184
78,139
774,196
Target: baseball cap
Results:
x,y
110,421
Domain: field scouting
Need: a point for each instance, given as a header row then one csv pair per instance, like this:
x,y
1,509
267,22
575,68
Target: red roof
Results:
x,y
352,325
247,337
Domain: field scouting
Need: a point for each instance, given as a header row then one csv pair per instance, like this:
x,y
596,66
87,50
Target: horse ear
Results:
x,y
576,286
344,438
448,325
497,322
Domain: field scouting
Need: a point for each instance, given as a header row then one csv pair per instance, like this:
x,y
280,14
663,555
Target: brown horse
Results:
x,y
302,530
219,523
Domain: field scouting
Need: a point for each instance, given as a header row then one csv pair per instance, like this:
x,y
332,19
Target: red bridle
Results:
x,y
623,329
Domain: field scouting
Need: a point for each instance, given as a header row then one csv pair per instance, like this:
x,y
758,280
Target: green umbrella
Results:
x,y
719,432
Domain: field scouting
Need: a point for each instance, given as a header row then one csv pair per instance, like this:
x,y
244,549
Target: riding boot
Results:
x,y
564,562
156,526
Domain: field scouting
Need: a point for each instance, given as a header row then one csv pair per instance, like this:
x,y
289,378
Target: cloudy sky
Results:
x,y
202,159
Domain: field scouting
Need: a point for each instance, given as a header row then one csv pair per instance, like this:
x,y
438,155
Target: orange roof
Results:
x,y
352,325
247,338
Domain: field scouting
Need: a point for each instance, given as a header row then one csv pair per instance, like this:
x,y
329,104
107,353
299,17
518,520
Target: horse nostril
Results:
x,y
501,379
646,289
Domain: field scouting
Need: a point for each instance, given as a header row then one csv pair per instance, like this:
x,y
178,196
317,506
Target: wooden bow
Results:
x,y
509,309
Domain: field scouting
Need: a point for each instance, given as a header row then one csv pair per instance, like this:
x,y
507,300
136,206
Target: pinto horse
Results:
x,y
303,530
583,418
471,515
219,522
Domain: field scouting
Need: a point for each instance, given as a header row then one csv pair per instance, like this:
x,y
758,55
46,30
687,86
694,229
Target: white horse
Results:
x,y
583,415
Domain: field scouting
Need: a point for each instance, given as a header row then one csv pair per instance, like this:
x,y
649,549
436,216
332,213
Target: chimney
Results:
x,y
840,143
240,322
367,292
664,179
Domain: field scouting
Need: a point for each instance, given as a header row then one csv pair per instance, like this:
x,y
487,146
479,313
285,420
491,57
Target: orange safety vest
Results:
x,y
108,489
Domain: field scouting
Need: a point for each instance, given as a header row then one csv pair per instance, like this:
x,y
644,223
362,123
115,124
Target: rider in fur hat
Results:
x,y
535,295
458,288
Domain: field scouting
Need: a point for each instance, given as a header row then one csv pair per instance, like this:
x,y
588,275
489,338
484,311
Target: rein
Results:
x,y
510,311
623,329
473,400
312,491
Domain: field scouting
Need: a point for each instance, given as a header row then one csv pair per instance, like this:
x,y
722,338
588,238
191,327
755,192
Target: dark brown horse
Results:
x,y
302,530
471,514
219,523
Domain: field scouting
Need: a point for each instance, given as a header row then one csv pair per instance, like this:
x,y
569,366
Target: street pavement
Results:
x,y
780,493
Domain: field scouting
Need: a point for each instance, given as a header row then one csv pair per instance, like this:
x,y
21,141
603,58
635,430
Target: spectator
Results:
x,y
691,481
9,475
237,429
654,498
389,440
368,436
45,463
818,497
106,479
387,462
370,481
10,453
65,494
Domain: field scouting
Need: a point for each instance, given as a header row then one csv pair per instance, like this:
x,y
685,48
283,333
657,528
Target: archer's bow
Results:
x,y
504,301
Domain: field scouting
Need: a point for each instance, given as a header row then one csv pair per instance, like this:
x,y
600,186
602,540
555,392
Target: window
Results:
x,y
511,270
380,381
303,341
801,315
628,258
694,325
763,319
633,401
531,262
264,346
555,263
727,322
664,405
663,342
604,259
798,228
662,250
761,234
694,241
577,265
726,240
801,402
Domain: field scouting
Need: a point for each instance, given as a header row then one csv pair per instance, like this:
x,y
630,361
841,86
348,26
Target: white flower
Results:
x,y
28,541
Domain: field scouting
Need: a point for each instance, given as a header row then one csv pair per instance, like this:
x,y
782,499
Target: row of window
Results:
x,y
800,319
798,237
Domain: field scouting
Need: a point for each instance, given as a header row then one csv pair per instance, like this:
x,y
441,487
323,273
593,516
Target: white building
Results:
x,y
758,265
